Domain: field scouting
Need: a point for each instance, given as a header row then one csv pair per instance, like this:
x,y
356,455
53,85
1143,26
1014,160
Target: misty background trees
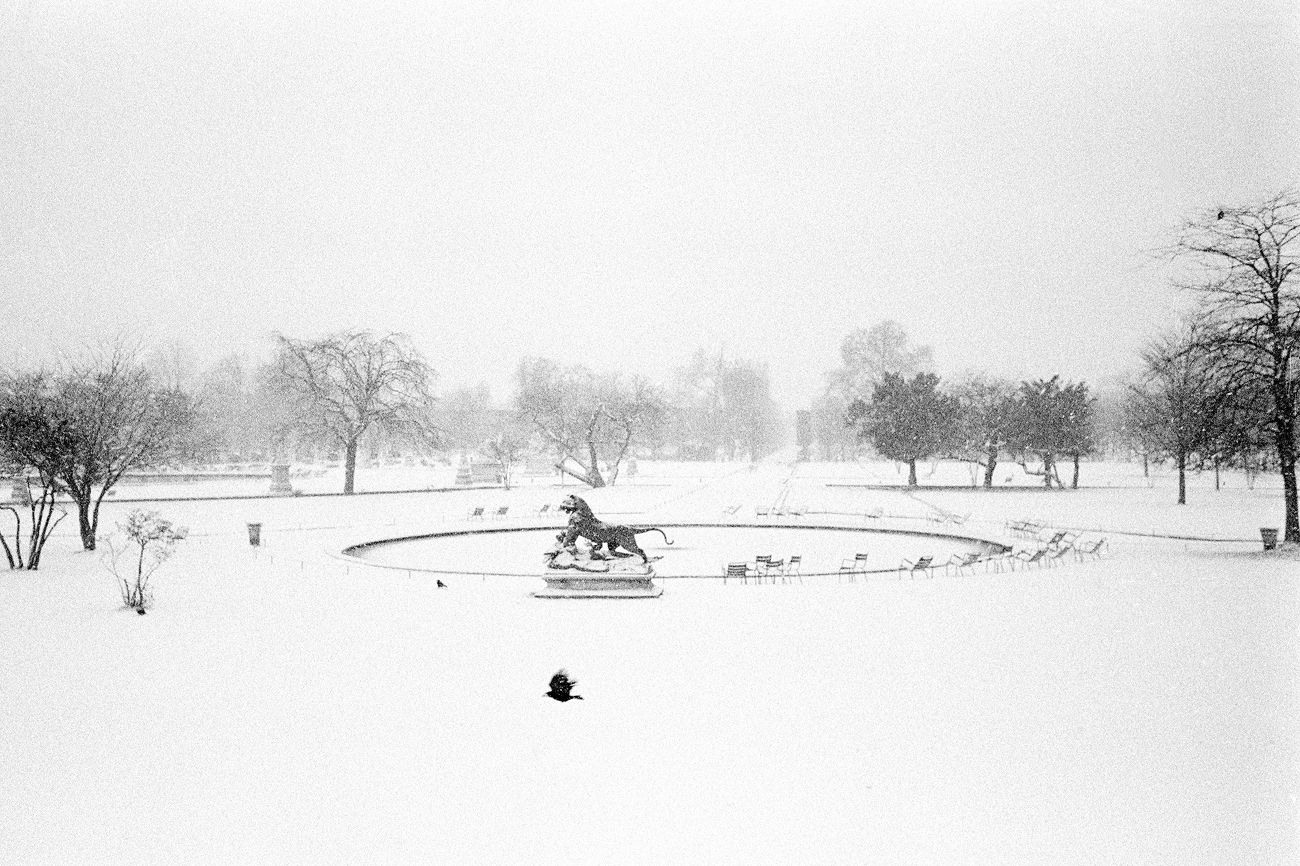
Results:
x,y
1217,390
344,385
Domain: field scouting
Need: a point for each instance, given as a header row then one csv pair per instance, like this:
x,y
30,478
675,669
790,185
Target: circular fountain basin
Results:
x,y
697,549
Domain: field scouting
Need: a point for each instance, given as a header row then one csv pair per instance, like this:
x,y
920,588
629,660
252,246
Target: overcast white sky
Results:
x,y
622,183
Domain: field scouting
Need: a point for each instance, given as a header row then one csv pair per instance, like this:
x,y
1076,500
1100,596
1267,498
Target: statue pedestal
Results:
x,y
603,586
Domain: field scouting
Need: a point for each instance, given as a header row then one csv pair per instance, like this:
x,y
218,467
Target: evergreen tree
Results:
x,y
908,420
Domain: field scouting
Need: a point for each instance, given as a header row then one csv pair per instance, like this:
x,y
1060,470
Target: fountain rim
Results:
x,y
350,553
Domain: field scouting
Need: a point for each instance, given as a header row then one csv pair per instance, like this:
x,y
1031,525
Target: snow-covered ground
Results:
x,y
283,705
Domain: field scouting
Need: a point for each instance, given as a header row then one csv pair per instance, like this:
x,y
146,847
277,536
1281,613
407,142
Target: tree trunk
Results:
x,y
990,466
1048,468
911,473
1286,457
1182,477
1146,466
594,477
349,466
84,522
1074,483
1216,474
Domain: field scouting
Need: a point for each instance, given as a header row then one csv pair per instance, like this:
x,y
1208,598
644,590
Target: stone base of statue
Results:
x,y
582,574
592,586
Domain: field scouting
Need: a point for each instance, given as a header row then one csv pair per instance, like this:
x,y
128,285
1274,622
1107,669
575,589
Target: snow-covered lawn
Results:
x,y
281,705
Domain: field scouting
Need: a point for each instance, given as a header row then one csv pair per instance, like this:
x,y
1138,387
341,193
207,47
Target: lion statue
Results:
x,y
582,522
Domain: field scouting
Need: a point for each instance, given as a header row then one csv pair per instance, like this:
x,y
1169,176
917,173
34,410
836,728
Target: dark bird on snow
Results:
x,y
140,611
1220,214
441,585
562,687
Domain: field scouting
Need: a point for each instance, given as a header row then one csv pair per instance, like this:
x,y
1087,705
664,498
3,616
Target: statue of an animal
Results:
x,y
583,523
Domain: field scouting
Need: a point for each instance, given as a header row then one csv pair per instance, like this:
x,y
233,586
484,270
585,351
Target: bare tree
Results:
x,y
42,517
348,383
1243,261
92,422
1178,406
587,418
870,353
506,448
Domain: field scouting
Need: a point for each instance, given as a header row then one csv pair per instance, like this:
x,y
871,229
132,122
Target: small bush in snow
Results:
x,y
150,540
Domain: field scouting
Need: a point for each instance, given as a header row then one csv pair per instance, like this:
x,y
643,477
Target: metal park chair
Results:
x,y
1025,528
1029,557
858,563
501,512
1092,549
775,569
998,560
476,514
924,564
959,561
792,569
761,566
544,510
736,570
1056,555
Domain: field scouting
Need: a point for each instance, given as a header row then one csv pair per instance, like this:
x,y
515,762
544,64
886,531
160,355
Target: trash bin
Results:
x,y
1269,536
255,534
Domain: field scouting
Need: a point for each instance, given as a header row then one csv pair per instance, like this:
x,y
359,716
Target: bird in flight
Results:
x,y
562,687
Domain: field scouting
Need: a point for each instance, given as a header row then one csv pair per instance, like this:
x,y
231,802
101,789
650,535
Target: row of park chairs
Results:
x,y
1053,551
479,513
1057,549
1052,548
765,569
780,511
